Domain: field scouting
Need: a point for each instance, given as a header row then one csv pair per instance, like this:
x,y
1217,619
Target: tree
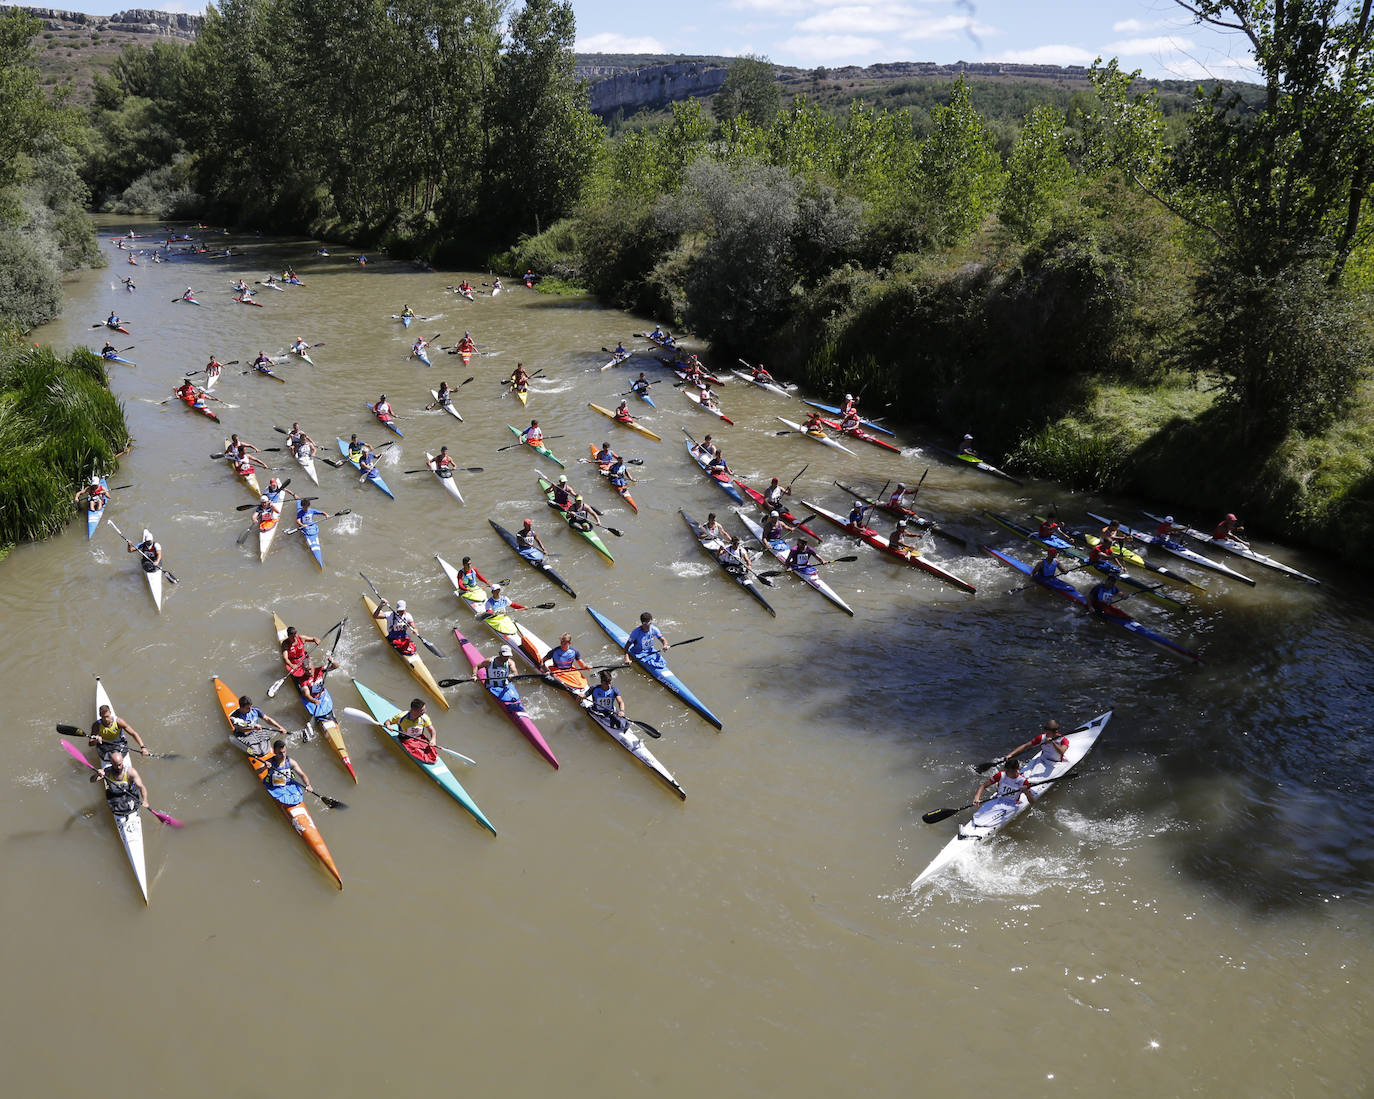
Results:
x,y
958,170
1038,173
750,89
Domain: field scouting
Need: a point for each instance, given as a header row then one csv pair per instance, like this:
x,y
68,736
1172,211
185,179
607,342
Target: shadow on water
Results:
x,y
1258,761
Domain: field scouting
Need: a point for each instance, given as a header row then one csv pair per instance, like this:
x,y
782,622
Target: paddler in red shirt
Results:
x,y
1227,529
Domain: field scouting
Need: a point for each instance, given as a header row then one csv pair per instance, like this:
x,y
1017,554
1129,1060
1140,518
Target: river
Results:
x,y
1190,913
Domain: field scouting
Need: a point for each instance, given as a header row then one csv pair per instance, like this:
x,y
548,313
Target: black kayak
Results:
x,y
540,562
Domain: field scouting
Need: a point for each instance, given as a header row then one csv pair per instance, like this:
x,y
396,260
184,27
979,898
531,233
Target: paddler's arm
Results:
x,y
305,779
978,793
138,781
381,608
126,727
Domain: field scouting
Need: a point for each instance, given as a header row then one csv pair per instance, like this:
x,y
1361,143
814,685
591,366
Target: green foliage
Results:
x,y
1039,175
959,174
750,91
59,425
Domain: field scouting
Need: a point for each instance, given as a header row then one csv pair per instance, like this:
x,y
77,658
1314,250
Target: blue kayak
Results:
x,y
657,667
835,411
118,359
375,478
93,517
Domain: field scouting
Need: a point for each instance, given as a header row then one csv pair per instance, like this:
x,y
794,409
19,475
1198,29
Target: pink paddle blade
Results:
x,y
77,755
167,819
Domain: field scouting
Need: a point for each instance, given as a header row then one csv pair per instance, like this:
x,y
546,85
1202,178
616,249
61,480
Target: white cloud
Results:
x,y
773,7
1129,26
1048,55
949,26
619,43
906,22
1132,47
830,49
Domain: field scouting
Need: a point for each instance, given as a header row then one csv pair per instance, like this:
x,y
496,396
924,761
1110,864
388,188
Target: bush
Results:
x,y
30,280
161,193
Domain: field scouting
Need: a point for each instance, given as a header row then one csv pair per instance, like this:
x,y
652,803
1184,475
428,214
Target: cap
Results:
x,y
849,396
1052,551
563,479
1168,518
95,479
382,397
858,503
901,522
1230,518
496,587
900,486
400,604
529,522
967,437
772,515
505,650
263,500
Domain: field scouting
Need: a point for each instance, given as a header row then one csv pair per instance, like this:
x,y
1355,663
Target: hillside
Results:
x,y
73,47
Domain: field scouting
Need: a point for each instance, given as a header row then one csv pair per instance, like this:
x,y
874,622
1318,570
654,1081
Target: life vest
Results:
x,y
603,698
398,624
121,792
496,605
266,520
410,727
295,651
278,773
534,436
468,580
1053,747
498,673
802,559
525,538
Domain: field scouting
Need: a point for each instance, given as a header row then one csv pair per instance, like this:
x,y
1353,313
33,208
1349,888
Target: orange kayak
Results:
x,y
296,815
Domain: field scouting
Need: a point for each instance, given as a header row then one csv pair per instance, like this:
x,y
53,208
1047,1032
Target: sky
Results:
x,y
1156,36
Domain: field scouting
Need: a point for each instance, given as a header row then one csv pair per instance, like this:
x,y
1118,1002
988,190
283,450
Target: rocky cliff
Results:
x,y
656,85
135,21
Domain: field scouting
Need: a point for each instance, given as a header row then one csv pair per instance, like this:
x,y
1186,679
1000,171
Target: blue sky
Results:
x,y
1156,36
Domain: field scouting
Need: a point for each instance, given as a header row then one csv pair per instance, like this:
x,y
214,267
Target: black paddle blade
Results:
x,y
332,803
937,815
70,730
649,730
454,682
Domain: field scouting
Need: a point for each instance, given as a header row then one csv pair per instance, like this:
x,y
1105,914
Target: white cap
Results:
x,y
849,396
1168,518
263,500
858,503
95,479
772,515
505,650
496,587
400,604
563,480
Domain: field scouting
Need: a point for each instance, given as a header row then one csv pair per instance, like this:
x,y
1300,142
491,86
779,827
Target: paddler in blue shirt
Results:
x,y
1049,567
562,658
1103,595
640,642
605,699
280,778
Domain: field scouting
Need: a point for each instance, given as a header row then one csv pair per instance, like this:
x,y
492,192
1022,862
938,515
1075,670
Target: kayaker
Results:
x,y
97,495
190,295
896,541
774,528
619,474
314,693
773,494
497,603
465,287
657,333
1006,783
605,456
519,376
293,650
1103,595
382,409
466,344
443,398
301,444
443,464
399,623
129,284
355,448
109,734
706,448
1048,567
262,364
242,288
713,529
966,447
563,494
563,657
622,413
814,426
534,434
246,720
640,642
1165,530
582,516
307,516
496,286
760,374
415,731
620,351
274,486
367,462
709,399
109,351
850,423
1112,537
735,549
641,384
1100,557
469,578
1049,528
1052,746
407,311
418,347
857,513
186,391
1227,529
897,501
124,789
112,320
718,466
237,448
280,778
605,699
802,556
499,670
850,407
265,514
528,543
150,554
300,347
213,368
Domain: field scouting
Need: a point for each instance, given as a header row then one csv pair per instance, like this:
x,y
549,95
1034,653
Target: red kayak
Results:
x,y
878,542
248,301
860,433
118,328
203,411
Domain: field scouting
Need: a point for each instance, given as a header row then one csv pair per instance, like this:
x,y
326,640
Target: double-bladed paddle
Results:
x,y
934,816
76,730
166,572
426,644
338,463
166,818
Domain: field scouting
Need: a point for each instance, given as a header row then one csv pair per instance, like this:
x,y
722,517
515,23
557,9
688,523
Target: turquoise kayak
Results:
x,y
381,711
657,667
376,478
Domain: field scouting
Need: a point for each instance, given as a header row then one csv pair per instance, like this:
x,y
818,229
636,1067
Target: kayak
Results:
x,y
772,387
311,533
724,480
590,535
996,813
332,733
450,483
467,294
93,517
907,553
118,359
625,423
538,448
862,435
644,396
406,318
1105,568
388,422
211,380
809,575
297,815
616,360
678,367
117,328
1129,556
447,406
720,552
267,533
475,596
417,667
307,463
664,341
1240,549
421,354
153,576
503,625
524,394
655,665
834,410
305,355
532,556
271,284
200,409
1179,550
250,478
694,396
383,711
190,301
128,825
266,372
465,353
1115,615
510,704
623,491
762,504
574,683
826,439
977,463
375,478
902,512
248,301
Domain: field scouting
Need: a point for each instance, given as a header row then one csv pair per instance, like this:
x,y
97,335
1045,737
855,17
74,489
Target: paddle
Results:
x,y
934,816
246,507
336,515
537,675
337,463
456,469
426,644
308,733
166,818
1061,572
275,687
264,450
76,730
166,572
632,392
436,404
351,711
512,446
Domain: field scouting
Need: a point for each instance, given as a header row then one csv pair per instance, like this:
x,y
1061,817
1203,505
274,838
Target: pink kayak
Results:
x,y
514,710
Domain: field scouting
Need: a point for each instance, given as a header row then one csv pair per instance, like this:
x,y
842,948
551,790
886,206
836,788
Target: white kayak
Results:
x,y
1240,549
1178,549
772,387
826,439
447,406
996,813
266,535
129,827
307,462
808,575
154,576
694,395
211,380
450,483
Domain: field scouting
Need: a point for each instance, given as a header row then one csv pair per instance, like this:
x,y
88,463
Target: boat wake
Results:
x,y
690,569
